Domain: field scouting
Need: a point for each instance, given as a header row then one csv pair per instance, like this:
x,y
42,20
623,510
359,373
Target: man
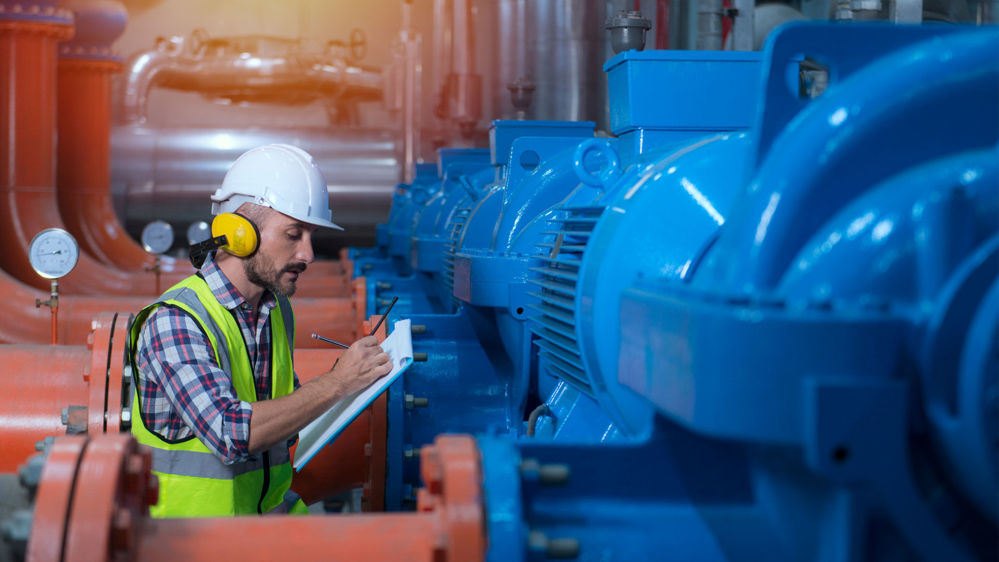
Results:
x,y
215,393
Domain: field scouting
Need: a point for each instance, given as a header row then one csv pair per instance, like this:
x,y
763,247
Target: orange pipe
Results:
x,y
24,323
412,537
84,170
38,381
27,163
43,379
107,517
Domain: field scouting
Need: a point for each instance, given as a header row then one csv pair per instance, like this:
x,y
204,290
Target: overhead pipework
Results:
x,y
255,68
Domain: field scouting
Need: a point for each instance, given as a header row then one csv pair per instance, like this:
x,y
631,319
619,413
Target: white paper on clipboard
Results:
x,y
325,428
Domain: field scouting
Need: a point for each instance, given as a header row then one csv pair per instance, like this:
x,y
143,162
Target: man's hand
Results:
x,y
275,420
359,366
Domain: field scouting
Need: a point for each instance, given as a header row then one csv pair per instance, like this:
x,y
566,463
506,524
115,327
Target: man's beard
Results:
x,y
261,271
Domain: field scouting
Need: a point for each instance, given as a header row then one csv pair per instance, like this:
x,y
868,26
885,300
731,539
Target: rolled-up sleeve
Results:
x,y
183,390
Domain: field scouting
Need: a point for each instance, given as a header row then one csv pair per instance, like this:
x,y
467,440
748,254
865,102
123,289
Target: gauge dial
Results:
x,y
53,253
198,232
157,237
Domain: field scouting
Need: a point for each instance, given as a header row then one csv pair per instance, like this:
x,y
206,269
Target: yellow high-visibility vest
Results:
x,y
193,482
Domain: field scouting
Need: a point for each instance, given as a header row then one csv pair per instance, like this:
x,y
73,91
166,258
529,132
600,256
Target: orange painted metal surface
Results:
x,y
105,516
54,499
38,382
45,379
27,159
25,323
452,474
113,492
361,538
42,380
357,457
84,169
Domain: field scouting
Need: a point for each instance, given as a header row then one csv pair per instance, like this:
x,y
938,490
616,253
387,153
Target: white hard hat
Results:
x,y
280,176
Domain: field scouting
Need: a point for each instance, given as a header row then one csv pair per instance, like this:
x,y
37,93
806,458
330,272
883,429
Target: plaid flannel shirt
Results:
x,y
182,388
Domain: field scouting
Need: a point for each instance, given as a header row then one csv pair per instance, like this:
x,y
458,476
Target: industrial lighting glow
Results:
x,y
225,141
702,201
837,117
882,229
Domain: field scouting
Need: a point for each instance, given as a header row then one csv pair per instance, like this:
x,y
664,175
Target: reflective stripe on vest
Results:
x,y
193,481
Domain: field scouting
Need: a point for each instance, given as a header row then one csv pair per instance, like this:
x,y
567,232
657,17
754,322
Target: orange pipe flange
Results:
x,y
106,516
452,474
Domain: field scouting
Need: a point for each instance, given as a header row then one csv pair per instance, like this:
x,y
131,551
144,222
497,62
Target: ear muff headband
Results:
x,y
232,232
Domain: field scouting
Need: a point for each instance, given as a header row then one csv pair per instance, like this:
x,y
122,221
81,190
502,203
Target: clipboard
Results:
x,y
326,428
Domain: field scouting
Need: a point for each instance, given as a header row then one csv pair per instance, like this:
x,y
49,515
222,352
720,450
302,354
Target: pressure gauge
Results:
x,y
198,232
157,237
53,253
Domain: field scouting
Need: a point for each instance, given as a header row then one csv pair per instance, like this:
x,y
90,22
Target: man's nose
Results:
x,y
303,251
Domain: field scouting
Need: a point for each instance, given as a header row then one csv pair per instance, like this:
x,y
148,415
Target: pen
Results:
x,y
327,340
384,316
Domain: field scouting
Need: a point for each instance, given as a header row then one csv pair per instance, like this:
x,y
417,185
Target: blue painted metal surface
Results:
x,y
633,501
765,328
823,157
466,174
841,331
662,97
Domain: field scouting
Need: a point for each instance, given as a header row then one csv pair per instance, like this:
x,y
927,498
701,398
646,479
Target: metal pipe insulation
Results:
x,y
84,121
442,47
464,85
709,25
170,173
108,517
250,68
567,49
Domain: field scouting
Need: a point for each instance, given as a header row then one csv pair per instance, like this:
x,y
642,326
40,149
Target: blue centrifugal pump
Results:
x,y
760,323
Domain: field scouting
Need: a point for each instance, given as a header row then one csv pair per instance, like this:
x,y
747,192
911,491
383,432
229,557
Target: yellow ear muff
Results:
x,y
242,236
